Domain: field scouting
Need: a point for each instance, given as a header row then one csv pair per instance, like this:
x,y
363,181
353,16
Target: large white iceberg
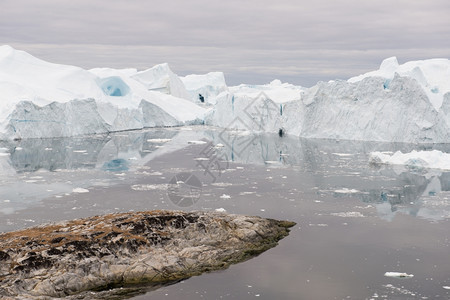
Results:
x,y
401,103
397,103
41,99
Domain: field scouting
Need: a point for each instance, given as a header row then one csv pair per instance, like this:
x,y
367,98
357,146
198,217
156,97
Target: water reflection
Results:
x,y
38,168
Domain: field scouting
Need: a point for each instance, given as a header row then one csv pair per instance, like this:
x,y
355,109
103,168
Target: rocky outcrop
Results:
x,y
127,249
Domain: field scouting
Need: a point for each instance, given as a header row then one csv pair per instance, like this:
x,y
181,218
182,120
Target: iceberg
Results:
x,y
41,99
433,159
397,103
407,102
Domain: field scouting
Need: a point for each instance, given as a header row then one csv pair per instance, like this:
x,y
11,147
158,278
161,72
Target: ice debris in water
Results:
x,y
398,275
225,196
197,142
80,190
158,140
346,191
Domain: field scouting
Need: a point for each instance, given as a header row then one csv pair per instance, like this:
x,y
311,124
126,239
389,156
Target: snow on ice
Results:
x,y
397,103
433,159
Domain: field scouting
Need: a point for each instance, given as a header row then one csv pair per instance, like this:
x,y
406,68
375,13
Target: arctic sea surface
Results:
x,y
364,230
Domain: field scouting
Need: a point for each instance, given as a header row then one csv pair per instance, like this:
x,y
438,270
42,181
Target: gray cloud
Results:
x,y
252,41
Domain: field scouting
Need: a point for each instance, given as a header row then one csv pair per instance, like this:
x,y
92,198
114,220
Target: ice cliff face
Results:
x,y
41,99
397,103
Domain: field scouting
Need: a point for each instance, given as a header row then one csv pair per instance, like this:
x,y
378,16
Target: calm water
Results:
x,y
354,221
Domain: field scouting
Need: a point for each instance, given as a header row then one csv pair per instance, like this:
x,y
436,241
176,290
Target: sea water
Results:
x,y
356,222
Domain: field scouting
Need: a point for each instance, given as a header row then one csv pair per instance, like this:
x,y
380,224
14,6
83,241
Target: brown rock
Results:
x,y
125,249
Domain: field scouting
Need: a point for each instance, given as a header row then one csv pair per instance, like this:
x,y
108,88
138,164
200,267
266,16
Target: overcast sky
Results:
x,y
251,41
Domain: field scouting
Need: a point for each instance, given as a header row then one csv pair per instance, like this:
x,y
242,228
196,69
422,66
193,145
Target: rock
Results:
x,y
86,257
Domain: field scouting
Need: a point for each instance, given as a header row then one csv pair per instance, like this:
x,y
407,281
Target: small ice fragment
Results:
x,y
271,162
222,210
346,191
197,142
6,201
219,145
225,196
398,275
342,154
262,209
4,154
446,287
158,140
349,214
79,151
80,190
202,158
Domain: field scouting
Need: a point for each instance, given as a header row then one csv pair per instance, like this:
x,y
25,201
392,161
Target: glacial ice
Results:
x,y
407,102
397,103
114,86
433,159
210,86
40,99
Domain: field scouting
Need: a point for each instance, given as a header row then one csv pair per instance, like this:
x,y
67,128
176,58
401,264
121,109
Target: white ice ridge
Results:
x,y
42,99
397,103
433,159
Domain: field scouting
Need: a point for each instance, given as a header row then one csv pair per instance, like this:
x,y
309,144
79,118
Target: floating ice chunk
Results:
x,y
318,225
398,275
446,287
197,142
149,187
225,196
246,193
221,210
158,140
222,184
346,191
343,154
416,159
349,214
80,190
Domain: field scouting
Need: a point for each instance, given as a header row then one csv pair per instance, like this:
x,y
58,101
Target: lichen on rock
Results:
x,y
127,249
